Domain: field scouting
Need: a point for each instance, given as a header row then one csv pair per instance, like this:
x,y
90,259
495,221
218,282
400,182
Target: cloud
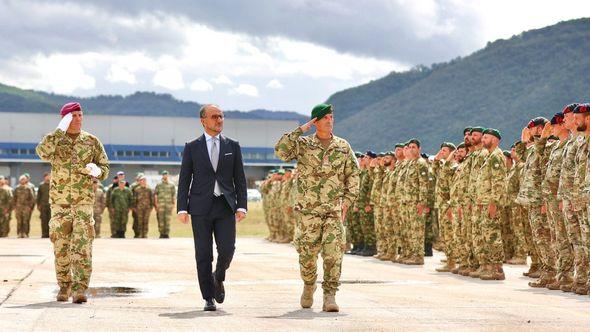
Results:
x,y
222,80
118,73
274,84
246,90
201,85
169,78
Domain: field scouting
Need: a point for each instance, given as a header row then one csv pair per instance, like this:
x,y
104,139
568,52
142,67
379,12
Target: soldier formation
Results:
x,y
117,199
481,206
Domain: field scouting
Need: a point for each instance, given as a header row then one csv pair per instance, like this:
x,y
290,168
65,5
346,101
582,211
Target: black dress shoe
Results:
x,y
210,305
219,290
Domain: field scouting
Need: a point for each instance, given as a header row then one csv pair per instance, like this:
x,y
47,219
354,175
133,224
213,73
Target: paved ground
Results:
x,y
263,293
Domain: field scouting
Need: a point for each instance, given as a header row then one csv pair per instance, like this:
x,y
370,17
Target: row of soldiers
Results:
x,y
480,205
278,192
22,201
119,199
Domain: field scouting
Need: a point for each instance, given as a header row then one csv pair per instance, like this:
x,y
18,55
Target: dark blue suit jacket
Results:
x,y
197,176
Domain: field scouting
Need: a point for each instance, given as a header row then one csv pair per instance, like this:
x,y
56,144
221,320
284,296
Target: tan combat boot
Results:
x,y
330,303
493,272
516,261
79,296
448,267
307,296
64,294
385,257
542,282
476,273
560,282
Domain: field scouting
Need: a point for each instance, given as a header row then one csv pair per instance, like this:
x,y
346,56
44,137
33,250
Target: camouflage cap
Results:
x,y
321,110
164,172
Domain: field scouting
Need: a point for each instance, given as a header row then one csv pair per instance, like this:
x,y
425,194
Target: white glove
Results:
x,y
64,124
93,170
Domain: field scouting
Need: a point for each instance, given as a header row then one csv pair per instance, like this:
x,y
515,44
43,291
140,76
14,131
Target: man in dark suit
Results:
x,y
212,189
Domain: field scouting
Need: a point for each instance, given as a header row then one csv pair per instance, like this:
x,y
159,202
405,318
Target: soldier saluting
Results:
x,y
327,183
76,158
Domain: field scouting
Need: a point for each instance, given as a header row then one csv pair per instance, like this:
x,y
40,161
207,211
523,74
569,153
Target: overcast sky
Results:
x,y
273,54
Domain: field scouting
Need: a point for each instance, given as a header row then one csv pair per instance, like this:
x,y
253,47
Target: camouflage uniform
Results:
x,y
98,209
110,210
328,178
276,213
561,243
264,191
387,233
165,193
364,199
121,202
23,202
518,215
287,208
462,214
530,195
416,184
378,213
44,208
580,200
399,223
135,227
477,238
71,228
490,189
143,203
5,208
443,172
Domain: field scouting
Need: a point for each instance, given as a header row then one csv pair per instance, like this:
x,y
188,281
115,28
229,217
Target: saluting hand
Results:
x,y
305,127
547,130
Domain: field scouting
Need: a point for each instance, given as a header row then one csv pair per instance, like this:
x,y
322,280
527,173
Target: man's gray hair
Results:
x,y
203,110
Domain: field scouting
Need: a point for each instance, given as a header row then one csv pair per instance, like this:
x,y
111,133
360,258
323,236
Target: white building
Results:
x,y
137,144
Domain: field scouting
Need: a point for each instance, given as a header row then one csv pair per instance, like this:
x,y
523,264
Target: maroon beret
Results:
x,y
69,108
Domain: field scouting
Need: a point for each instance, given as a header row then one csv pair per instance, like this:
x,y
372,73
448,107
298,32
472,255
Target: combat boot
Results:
x,y
358,249
533,272
456,269
385,257
542,282
516,261
477,272
563,280
368,251
465,271
581,289
307,295
494,272
79,297
568,288
428,249
448,267
330,303
64,294
414,261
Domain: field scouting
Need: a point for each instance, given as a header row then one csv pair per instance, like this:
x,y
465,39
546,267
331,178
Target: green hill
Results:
x,y
503,85
140,103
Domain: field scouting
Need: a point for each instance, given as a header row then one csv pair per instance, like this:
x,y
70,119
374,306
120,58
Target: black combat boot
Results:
x,y
368,251
358,249
428,249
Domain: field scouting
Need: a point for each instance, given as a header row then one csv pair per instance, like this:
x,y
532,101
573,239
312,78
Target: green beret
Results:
x,y
390,153
493,132
399,145
358,154
381,154
467,129
478,129
415,141
281,171
319,111
461,145
507,154
272,171
164,172
448,145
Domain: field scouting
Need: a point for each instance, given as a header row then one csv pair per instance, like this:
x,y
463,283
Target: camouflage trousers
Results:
x,y
574,228
490,250
120,218
348,224
467,241
518,217
542,240
391,229
368,227
415,228
45,214
71,230
164,215
459,252
143,221
135,227
112,221
23,217
379,215
477,239
445,232
561,244
97,222
288,224
323,234
532,249
353,227
4,224
430,226
508,238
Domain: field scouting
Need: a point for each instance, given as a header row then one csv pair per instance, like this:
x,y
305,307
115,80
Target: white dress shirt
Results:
x,y
209,141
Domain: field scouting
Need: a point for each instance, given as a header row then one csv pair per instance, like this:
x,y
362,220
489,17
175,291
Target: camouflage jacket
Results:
x,y
275,193
121,199
513,183
286,189
43,194
366,184
479,157
550,182
384,200
459,196
579,200
70,181
398,183
388,198
568,168
5,199
533,172
99,201
416,182
491,177
143,197
326,178
443,173
379,176
165,193
23,197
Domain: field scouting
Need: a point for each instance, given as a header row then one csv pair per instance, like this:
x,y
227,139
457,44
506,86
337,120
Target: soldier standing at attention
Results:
x,y
76,158
43,205
23,202
121,203
143,204
164,198
99,206
5,207
328,183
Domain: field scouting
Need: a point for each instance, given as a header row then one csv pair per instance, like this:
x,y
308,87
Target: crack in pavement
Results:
x,y
21,281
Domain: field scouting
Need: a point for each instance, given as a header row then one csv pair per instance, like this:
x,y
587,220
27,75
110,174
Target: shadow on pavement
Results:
x,y
195,314
306,314
50,304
